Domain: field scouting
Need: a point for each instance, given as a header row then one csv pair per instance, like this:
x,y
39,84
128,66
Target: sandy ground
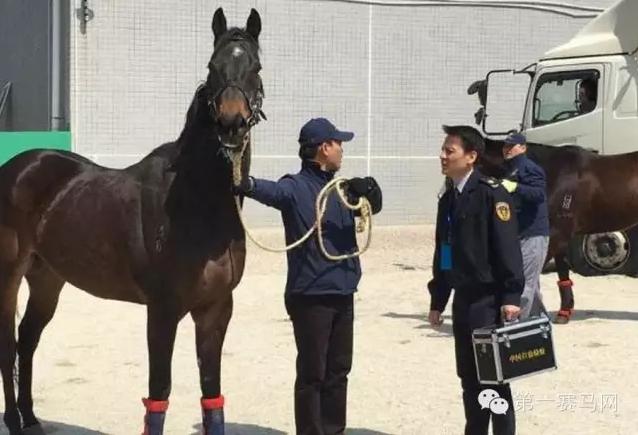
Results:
x,y
91,366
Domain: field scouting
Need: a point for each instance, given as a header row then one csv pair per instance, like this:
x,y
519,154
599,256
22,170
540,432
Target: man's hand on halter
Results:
x,y
245,187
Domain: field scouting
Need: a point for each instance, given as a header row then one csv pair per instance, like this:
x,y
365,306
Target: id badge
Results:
x,y
446,256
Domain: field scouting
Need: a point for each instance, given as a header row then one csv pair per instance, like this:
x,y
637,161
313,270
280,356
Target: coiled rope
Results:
x,y
321,203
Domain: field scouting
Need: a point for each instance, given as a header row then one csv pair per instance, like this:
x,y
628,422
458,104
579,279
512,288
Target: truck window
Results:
x,y
564,95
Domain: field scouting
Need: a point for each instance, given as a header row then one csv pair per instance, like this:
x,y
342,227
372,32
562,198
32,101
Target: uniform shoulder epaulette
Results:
x,y
490,181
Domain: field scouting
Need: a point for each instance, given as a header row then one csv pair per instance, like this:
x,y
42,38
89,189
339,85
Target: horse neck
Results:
x,y
203,178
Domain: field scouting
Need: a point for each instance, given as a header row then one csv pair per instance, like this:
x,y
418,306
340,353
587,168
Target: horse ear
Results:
x,y
219,23
253,25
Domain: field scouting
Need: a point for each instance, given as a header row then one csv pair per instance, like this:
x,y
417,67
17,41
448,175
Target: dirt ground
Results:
x,y
91,366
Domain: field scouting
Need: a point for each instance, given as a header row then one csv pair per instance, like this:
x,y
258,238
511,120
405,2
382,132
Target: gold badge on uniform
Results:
x,y
503,211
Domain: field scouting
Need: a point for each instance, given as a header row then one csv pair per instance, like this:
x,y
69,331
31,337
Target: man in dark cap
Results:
x,y
319,292
526,182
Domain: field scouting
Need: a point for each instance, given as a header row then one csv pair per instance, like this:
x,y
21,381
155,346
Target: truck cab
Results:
x,y
584,92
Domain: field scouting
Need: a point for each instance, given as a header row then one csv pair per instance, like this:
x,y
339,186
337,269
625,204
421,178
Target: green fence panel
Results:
x,y
15,142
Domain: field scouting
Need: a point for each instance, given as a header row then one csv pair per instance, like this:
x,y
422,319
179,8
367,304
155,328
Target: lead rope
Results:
x,y
362,205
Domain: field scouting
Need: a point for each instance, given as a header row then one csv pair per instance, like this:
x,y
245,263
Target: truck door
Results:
x,y
565,106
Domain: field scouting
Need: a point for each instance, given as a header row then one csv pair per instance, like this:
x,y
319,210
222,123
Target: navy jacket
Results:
x,y
309,272
481,231
530,197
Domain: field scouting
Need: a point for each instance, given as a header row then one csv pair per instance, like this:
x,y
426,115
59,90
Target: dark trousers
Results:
x,y
323,333
469,314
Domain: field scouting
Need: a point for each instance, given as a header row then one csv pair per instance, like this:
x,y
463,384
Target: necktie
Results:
x,y
454,201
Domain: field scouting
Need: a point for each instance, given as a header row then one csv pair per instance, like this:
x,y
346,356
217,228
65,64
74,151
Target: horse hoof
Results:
x,y
562,317
36,429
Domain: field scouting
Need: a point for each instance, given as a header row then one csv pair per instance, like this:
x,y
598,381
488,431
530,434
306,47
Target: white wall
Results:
x,y
392,74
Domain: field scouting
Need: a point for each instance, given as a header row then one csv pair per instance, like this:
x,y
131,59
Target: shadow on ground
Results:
x,y
54,427
602,315
251,429
443,330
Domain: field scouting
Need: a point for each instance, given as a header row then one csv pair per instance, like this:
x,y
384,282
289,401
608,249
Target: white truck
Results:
x,y
584,92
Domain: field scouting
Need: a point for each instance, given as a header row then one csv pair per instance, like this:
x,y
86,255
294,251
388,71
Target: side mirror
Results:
x,y
479,116
505,92
480,87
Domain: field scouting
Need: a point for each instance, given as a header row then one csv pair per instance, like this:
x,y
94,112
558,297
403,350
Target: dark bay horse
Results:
x,y
586,192
163,232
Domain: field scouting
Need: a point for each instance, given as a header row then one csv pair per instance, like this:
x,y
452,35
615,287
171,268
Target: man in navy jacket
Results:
x,y
526,182
319,292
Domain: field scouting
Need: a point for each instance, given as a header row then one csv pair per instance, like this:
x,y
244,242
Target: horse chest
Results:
x,y
221,273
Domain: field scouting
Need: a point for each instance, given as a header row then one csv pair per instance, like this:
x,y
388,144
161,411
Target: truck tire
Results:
x,y
631,268
614,253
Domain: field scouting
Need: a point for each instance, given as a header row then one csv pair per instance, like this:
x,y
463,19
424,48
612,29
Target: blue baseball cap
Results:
x,y
515,139
319,130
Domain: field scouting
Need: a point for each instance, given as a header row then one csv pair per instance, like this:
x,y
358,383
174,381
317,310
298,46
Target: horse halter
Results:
x,y
254,104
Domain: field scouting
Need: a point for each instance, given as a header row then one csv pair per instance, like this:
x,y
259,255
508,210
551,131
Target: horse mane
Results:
x,y
572,153
535,148
188,138
544,155
195,109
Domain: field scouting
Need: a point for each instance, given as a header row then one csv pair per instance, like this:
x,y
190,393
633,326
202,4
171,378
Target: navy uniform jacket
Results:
x,y
309,271
530,197
486,254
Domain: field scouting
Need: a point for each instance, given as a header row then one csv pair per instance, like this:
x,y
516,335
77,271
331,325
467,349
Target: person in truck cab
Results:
x,y
587,95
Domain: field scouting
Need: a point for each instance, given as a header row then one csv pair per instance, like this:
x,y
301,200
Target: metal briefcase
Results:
x,y
512,351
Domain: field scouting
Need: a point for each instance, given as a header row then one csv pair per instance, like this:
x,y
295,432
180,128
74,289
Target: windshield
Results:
x,y
564,95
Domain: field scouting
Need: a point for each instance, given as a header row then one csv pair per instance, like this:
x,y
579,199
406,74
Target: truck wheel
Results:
x,y
631,268
604,253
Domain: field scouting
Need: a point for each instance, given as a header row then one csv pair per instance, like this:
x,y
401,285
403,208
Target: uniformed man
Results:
x,y
319,292
526,182
478,255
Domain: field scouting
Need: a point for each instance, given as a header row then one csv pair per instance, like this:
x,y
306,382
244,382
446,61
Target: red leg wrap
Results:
x,y
565,283
216,403
155,405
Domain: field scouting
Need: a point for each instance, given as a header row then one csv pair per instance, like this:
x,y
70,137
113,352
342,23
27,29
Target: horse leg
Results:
x,y
44,289
565,289
161,328
211,323
10,277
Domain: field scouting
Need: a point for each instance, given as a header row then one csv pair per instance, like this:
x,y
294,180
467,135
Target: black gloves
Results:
x,y
245,187
368,187
358,186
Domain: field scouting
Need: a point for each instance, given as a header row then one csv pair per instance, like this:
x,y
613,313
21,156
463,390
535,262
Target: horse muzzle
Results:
x,y
232,149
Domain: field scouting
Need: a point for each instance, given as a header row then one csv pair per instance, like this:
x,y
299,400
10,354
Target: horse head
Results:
x,y
228,104
234,87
